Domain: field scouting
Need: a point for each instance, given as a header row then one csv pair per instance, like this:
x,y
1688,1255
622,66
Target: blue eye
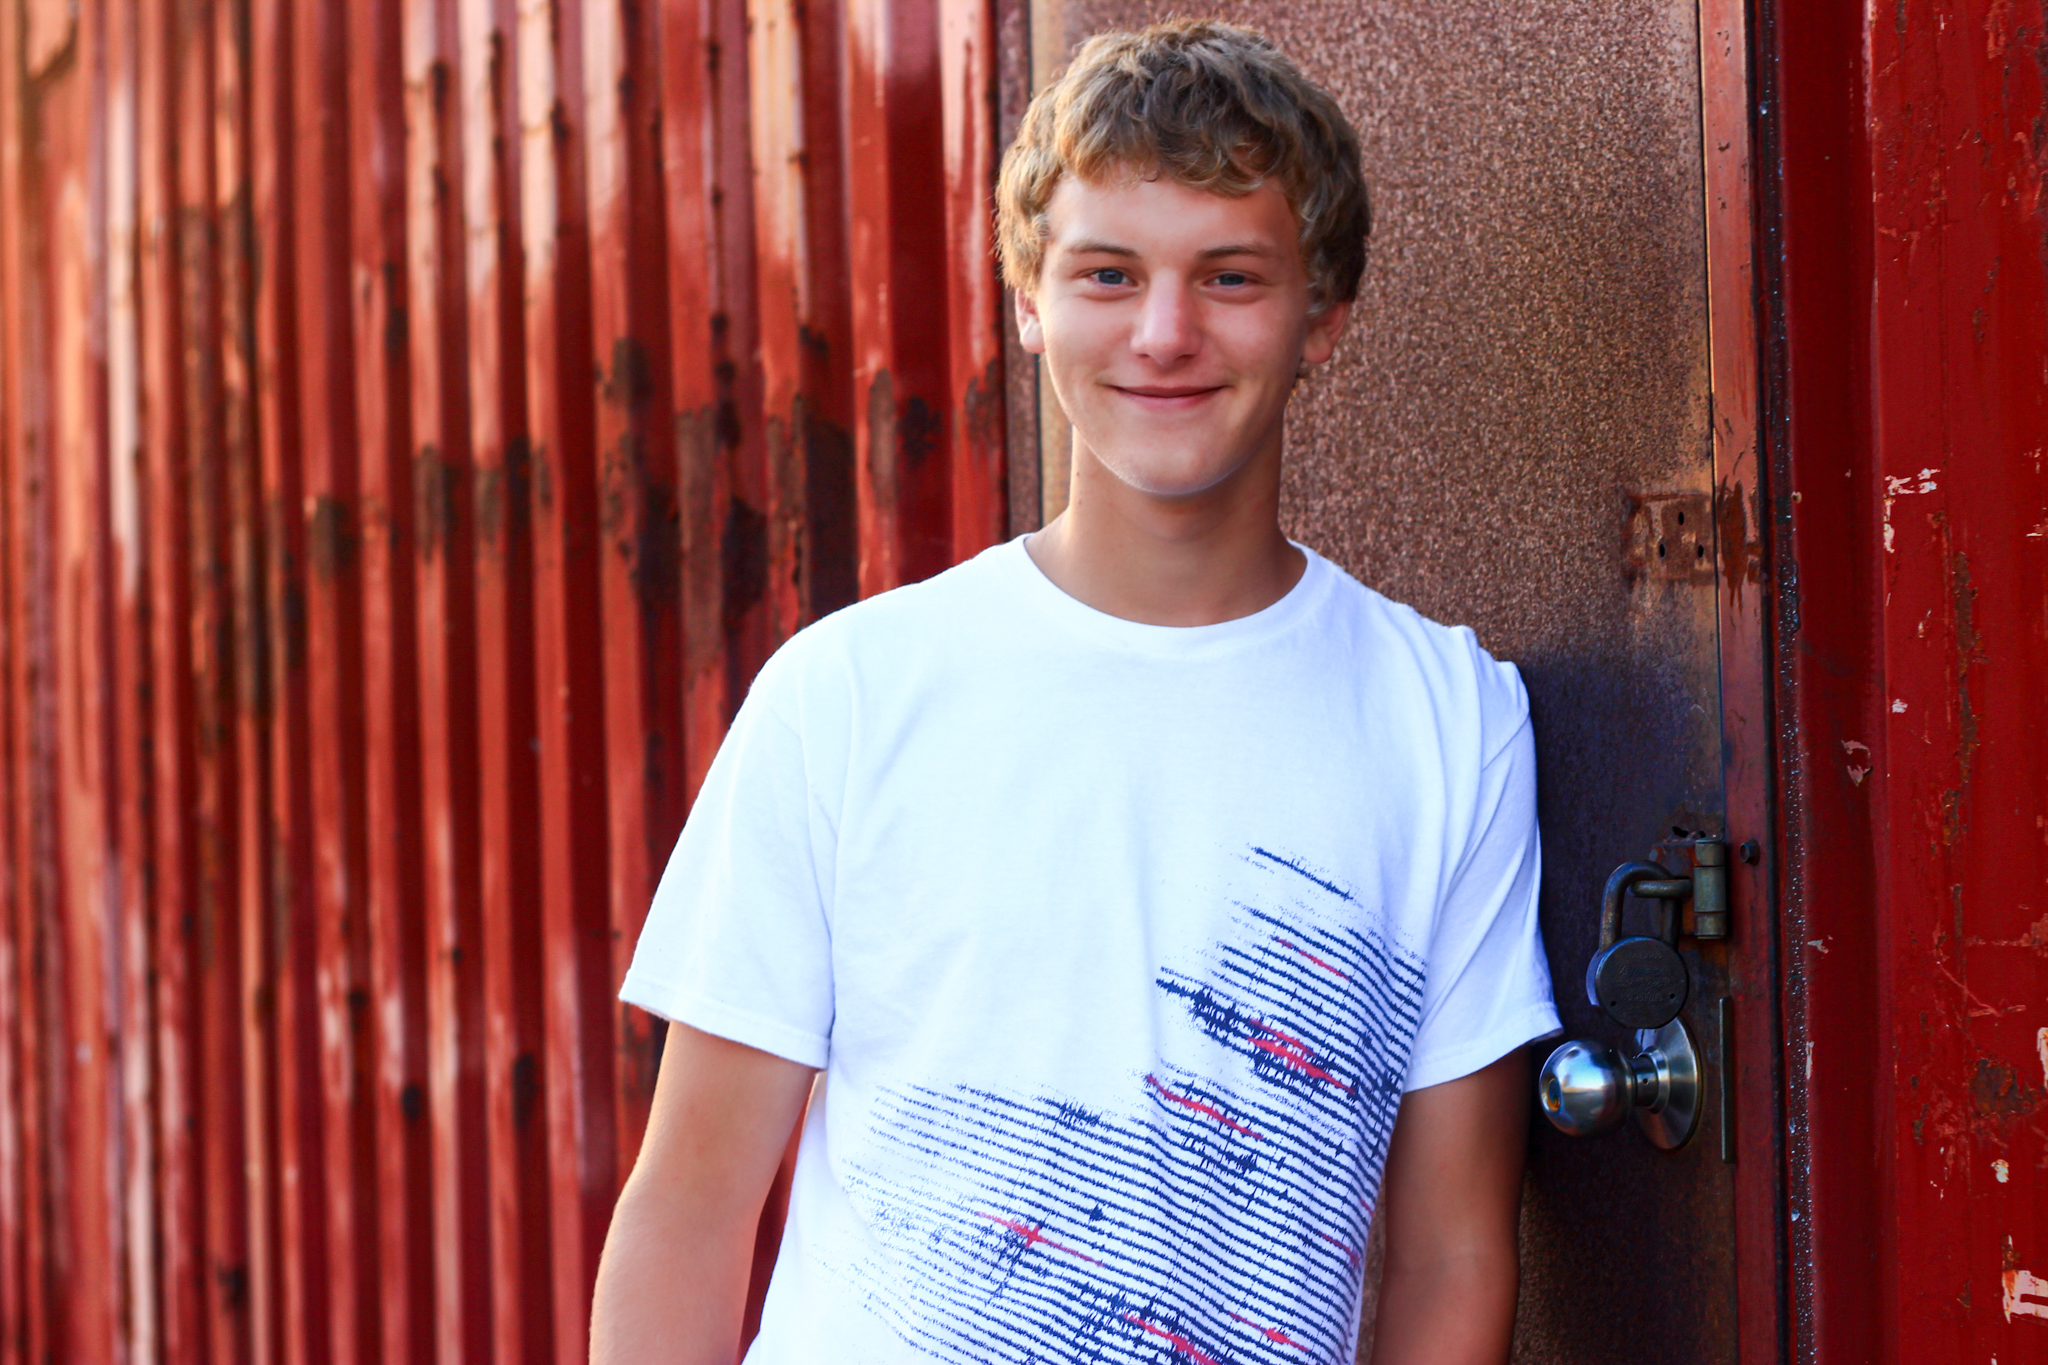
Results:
x,y
1110,275
1231,279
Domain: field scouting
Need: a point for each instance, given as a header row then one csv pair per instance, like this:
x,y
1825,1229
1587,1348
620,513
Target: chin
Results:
x,y
1172,477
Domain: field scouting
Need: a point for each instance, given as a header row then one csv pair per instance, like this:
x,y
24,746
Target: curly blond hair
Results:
x,y
1209,105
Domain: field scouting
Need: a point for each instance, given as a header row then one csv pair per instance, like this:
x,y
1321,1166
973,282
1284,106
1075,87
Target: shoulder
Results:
x,y
886,633
1467,687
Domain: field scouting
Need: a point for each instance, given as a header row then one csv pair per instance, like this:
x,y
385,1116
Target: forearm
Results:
x,y
1451,1200
672,1285
1452,1311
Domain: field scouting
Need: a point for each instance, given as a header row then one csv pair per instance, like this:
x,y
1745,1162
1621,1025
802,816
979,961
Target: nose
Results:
x,y
1166,330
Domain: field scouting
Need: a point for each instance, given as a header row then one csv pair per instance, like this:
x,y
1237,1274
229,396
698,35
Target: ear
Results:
x,y
1324,330
1030,327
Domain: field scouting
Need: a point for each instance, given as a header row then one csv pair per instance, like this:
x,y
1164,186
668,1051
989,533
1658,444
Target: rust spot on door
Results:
x,y
1999,1092
1668,538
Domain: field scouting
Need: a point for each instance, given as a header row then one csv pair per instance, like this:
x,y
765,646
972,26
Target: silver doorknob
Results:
x,y
1588,1087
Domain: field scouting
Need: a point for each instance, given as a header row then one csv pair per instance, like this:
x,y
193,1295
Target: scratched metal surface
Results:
x,y
1529,352
1909,320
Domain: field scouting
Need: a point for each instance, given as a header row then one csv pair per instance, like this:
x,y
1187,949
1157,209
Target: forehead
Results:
x,y
1162,218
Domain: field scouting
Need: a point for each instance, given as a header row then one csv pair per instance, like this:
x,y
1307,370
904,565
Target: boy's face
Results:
x,y
1173,323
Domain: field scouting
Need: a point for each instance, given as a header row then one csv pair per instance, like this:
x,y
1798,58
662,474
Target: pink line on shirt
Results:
x,y
1033,1237
1175,1340
1337,972
1294,1052
1272,1334
1349,1254
1211,1110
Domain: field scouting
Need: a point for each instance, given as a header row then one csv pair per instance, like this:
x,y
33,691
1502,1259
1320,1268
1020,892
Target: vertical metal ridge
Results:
x,y
330,514
697,87
234,232
569,655
638,527
29,436
134,1188
19,1149
443,543
392,900
898,216
181,1276
976,389
508,740
70,109
213,915
304,1332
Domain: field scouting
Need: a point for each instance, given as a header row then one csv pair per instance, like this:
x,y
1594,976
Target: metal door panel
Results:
x,y
1516,436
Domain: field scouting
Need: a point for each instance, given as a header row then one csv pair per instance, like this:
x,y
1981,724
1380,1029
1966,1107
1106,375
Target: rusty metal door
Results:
x,y
1542,426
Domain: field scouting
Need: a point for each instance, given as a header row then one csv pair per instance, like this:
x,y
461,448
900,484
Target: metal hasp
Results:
x,y
1587,1087
1710,889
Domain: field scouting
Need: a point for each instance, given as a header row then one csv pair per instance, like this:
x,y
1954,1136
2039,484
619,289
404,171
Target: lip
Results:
x,y
1168,397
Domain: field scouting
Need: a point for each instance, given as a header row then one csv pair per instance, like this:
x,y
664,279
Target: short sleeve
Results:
x,y
1487,988
737,942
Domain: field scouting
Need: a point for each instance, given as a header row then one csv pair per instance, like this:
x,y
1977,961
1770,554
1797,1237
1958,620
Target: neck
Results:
x,y
1190,560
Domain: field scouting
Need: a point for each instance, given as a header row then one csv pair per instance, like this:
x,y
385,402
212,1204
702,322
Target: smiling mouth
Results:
x,y
1168,391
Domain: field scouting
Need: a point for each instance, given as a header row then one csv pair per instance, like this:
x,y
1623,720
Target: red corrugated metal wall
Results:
x,y
418,420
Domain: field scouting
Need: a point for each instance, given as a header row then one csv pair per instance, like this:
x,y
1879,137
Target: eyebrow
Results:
x,y
1089,248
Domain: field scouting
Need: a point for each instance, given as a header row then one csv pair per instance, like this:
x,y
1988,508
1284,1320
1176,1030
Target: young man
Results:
x,y
1157,902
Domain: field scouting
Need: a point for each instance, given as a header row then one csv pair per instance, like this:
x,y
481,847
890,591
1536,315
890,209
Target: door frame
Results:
x,y
1752,1053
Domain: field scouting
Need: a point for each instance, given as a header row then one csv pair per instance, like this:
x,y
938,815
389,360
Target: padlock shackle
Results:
x,y
1625,879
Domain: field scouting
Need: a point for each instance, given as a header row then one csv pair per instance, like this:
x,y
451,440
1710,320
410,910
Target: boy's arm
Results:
x,y
673,1280
1452,1199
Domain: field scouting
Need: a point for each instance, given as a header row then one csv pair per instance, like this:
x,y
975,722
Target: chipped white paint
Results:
x,y
2026,1295
2041,1048
1819,945
1809,1061
1898,706
1896,488
2001,1170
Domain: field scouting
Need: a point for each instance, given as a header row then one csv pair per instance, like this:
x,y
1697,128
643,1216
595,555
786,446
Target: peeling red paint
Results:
x,y
1918,627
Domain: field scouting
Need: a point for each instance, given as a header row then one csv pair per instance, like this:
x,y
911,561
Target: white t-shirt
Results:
x,y
1118,944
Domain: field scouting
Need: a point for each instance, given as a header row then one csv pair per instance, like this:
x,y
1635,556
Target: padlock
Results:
x,y
1639,982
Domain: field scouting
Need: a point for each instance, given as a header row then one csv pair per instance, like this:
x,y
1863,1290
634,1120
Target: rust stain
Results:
x,y
331,536
882,439
743,561
1999,1092
831,501
641,517
1741,555
698,448
630,384
1969,647
984,407
433,501
1667,538
918,428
